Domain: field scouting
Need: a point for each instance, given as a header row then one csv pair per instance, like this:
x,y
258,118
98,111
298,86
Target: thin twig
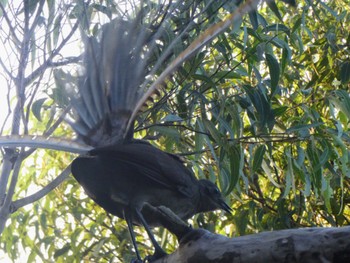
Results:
x,y
49,62
42,192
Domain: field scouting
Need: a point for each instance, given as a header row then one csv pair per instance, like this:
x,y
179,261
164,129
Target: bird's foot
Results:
x,y
155,256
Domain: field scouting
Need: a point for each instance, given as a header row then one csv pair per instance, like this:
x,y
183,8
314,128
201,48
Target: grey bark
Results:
x,y
305,245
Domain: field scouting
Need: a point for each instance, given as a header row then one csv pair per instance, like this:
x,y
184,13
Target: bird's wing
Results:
x,y
159,167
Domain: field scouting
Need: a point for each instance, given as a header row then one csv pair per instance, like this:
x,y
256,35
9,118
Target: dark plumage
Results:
x,y
154,178
125,179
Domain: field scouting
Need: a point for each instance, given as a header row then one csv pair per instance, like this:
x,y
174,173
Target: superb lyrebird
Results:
x,y
123,175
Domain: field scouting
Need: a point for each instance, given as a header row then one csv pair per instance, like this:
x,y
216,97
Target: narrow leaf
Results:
x,y
36,108
274,70
345,72
258,158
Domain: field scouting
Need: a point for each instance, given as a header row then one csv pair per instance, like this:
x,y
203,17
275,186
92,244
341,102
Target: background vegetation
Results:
x,y
263,110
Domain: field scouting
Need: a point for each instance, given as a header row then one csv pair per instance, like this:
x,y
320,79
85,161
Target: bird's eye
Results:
x,y
215,191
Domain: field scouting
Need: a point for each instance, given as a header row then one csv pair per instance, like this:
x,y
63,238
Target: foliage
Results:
x,y
264,110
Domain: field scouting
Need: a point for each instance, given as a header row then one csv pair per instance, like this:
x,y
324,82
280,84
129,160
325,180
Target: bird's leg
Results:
x,y
128,218
159,252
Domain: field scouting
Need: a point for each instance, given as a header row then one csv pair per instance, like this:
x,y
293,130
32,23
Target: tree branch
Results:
x,y
49,62
42,192
4,210
326,245
53,143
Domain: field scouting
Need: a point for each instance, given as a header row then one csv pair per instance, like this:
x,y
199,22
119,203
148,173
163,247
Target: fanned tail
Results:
x,y
123,66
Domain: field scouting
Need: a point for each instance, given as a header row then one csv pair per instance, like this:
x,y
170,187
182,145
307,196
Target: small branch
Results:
x,y
48,62
9,24
5,208
5,174
42,192
53,143
4,67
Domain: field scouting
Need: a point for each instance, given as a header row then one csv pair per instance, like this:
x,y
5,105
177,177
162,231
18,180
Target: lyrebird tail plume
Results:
x,y
133,56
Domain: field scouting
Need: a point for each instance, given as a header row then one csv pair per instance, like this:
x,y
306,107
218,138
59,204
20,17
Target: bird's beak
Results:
x,y
225,206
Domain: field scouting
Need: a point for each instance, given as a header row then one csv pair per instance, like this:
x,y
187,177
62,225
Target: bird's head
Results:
x,y
211,197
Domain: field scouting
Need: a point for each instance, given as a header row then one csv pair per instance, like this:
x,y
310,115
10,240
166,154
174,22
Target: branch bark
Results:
x,y
304,245
295,245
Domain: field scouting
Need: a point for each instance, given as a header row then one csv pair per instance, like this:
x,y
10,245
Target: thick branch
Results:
x,y
304,245
326,245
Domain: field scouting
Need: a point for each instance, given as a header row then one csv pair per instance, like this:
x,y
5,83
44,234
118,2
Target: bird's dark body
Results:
x,y
136,175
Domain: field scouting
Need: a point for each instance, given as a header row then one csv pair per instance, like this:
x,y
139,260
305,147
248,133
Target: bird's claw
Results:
x,y
154,257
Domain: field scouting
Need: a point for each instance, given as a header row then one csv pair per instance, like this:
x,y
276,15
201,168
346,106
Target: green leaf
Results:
x,y
274,70
345,72
103,9
290,180
301,127
209,126
204,78
327,193
57,29
235,157
253,16
171,132
296,25
30,6
316,170
62,251
227,75
277,28
172,118
33,51
341,100
258,158
36,108
199,141
280,111
274,8
4,4
264,115
203,129
329,9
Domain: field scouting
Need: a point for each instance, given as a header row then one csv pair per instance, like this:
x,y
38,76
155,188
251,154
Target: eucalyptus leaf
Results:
x,y
37,107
